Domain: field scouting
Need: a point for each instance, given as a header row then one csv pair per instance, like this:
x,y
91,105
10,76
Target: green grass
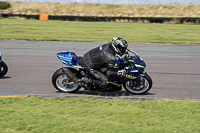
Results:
x,y
99,31
93,115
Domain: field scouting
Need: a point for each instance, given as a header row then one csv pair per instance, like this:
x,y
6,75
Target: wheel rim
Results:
x,y
2,70
65,84
131,86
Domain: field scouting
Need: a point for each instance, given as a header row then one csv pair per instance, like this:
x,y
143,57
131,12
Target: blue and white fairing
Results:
x,y
135,63
136,66
69,58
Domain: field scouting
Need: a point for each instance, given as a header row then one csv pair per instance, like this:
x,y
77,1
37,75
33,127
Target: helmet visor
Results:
x,y
122,49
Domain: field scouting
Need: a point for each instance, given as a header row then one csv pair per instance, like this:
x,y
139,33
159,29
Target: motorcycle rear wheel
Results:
x,y
145,85
3,69
62,83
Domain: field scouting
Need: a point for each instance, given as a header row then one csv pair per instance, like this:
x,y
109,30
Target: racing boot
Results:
x,y
85,80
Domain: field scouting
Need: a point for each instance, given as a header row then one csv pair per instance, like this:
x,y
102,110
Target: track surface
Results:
x,y
174,69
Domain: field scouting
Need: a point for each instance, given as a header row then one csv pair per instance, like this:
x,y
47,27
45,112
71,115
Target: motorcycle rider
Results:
x,y
104,56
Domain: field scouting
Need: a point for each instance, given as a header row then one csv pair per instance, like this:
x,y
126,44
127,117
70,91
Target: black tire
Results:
x,y
143,88
3,69
59,79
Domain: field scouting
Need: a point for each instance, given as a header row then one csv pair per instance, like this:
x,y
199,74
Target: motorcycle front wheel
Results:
x,y
3,69
145,85
62,83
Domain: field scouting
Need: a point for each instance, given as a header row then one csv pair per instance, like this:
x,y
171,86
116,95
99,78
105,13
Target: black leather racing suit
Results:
x,y
102,56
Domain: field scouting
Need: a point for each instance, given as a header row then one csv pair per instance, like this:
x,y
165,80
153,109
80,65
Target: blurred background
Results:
x,y
107,8
118,1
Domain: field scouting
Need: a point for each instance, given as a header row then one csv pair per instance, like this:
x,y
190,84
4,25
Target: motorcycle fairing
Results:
x,y
140,64
135,75
121,80
131,76
143,74
137,71
116,84
69,58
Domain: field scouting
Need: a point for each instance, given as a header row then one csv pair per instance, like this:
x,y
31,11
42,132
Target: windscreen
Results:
x,y
132,54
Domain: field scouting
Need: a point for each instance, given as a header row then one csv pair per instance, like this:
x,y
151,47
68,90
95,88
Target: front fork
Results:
x,y
138,81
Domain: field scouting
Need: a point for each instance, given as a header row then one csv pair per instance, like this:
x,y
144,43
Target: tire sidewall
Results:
x,y
148,78
55,75
5,67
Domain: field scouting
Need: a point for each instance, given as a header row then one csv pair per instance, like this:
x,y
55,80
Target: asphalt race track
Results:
x,y
174,69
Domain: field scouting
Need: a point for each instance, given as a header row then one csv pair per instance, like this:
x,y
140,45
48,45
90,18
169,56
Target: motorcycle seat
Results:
x,y
80,61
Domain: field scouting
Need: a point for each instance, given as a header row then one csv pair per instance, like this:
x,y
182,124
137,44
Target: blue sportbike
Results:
x,y
135,81
3,67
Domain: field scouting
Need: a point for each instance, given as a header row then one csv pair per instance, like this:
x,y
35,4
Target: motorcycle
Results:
x,y
135,81
3,67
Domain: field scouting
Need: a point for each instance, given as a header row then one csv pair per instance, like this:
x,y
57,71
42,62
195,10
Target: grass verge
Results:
x,y
92,115
109,10
98,31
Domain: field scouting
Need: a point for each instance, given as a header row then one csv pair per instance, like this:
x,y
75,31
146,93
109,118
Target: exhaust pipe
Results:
x,y
70,75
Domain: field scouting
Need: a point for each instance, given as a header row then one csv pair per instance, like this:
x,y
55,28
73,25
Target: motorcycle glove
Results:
x,y
121,72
